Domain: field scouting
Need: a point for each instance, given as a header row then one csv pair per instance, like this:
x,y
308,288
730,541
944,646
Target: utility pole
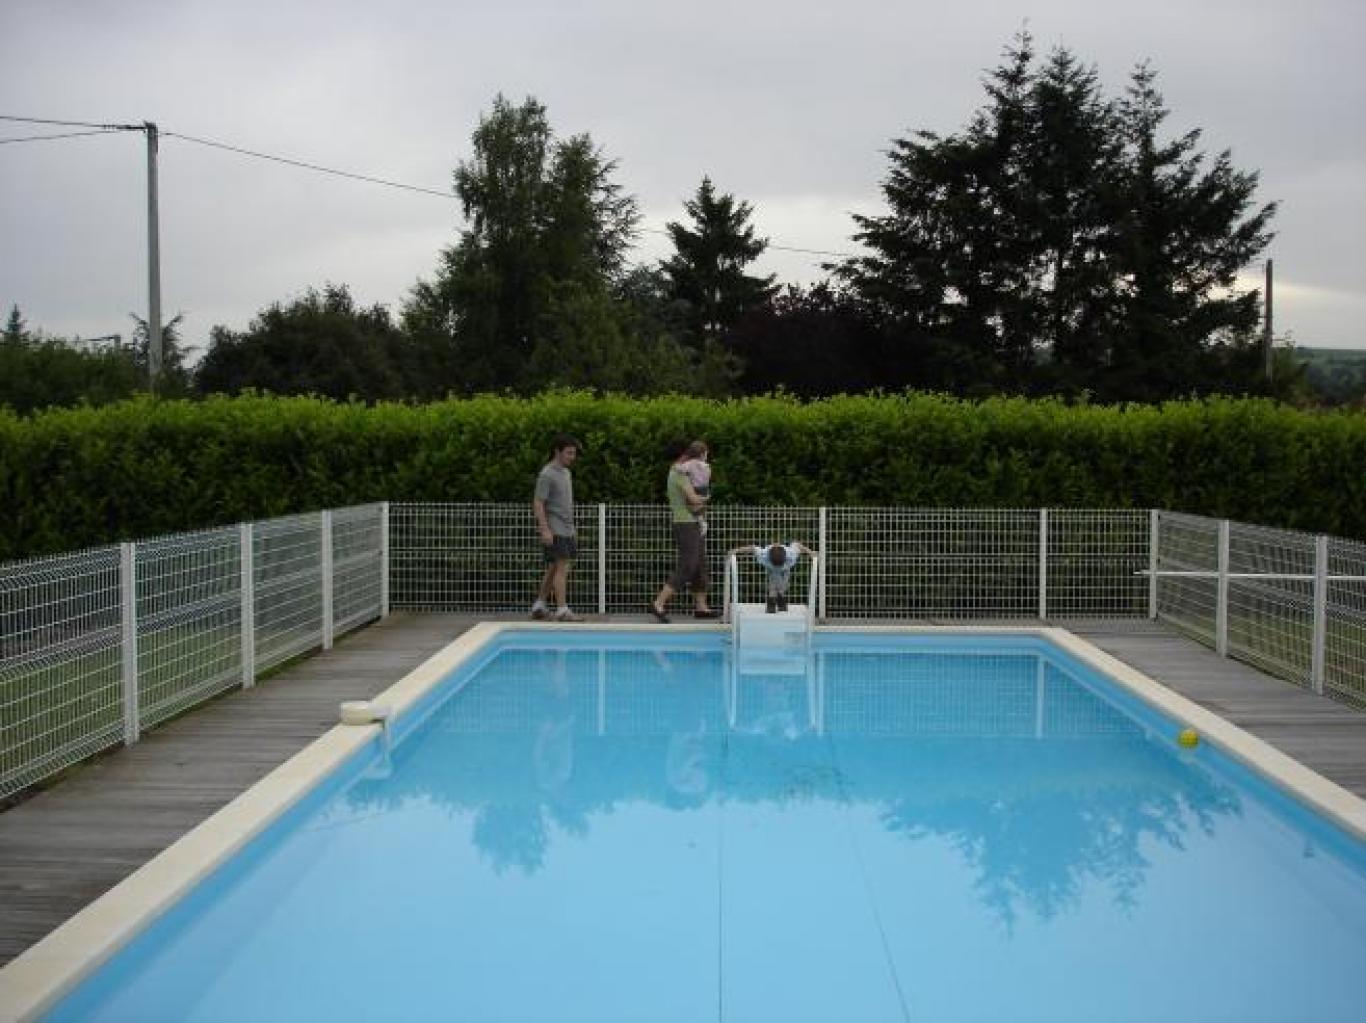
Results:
x,y
153,263
1266,325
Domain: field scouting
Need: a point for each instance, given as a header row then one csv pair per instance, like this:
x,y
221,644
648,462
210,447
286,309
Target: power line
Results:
x,y
63,135
306,166
419,188
72,124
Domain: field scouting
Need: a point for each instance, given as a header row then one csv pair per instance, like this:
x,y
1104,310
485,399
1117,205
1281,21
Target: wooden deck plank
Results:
x,y
69,844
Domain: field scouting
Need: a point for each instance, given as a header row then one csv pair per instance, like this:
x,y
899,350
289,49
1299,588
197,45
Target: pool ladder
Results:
x,y
772,644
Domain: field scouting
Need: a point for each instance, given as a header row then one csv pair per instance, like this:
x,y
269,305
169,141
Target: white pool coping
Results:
x,y
36,980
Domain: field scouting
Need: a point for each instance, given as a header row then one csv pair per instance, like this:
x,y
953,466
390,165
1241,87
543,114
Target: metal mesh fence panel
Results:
x,y
935,563
1345,621
1096,562
881,563
356,565
70,626
487,557
480,557
62,623
641,553
287,579
189,615
1271,619
1188,543
61,647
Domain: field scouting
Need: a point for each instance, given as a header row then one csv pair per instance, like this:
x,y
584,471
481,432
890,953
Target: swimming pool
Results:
x,y
588,826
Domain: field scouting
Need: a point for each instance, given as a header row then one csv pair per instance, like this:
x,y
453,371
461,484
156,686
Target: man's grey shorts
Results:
x,y
560,548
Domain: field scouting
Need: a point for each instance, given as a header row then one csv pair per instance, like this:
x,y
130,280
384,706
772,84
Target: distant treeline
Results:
x,y
1060,243
1337,376
71,478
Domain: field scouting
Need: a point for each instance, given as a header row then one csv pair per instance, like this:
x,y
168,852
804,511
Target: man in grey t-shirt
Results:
x,y
553,506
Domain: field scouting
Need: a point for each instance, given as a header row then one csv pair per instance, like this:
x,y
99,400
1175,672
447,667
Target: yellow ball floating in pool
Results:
x,y
1189,738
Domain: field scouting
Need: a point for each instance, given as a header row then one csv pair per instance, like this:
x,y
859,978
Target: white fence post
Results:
x,y
384,559
1221,594
1043,563
602,559
327,579
1154,539
1317,667
823,548
246,539
128,587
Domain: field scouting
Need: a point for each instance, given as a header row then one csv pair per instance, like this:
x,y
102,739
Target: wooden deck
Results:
x,y
68,845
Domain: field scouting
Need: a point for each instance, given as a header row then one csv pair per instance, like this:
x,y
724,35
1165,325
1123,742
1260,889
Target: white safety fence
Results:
x,y
98,645
879,562
1293,604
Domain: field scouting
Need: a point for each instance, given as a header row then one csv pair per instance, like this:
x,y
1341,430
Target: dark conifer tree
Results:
x,y
1057,243
706,273
1182,231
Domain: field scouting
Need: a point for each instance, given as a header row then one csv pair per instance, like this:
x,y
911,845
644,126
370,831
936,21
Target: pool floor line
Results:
x,y
721,882
846,801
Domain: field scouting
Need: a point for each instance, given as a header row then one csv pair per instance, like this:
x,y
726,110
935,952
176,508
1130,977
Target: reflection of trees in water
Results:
x,y
512,835
1035,844
518,834
1036,820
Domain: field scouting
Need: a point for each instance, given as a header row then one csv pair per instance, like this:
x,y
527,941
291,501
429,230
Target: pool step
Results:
x,y
771,644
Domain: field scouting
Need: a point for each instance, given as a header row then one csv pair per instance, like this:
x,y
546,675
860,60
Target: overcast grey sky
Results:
x,y
788,104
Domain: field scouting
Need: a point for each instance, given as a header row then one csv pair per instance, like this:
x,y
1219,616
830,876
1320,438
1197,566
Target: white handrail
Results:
x,y
731,597
811,605
730,589
811,592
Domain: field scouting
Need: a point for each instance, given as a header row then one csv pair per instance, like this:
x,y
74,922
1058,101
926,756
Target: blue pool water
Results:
x,y
583,829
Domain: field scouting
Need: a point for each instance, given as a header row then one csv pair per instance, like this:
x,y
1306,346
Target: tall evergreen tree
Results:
x,y
1070,153
1182,233
706,273
16,330
1056,243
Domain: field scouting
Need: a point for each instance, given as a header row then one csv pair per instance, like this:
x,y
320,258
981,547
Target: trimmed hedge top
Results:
x,y
72,478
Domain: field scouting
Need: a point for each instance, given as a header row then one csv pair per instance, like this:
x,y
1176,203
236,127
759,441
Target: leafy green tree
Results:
x,y
659,324
1057,243
587,344
707,270
542,216
39,371
321,343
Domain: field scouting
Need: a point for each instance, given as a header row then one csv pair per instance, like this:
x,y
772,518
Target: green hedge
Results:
x,y
71,478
